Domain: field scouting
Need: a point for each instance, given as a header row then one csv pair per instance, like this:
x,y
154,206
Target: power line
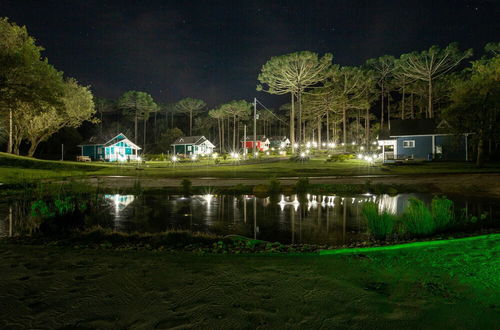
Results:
x,y
271,112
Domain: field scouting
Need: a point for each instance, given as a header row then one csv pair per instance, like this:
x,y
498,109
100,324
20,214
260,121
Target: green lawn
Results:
x,y
15,169
450,286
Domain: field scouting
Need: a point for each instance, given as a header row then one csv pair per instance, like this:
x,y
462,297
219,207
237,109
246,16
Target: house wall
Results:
x,y
452,149
423,147
95,152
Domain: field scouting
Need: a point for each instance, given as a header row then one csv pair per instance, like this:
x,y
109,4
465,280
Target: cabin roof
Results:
x,y
194,140
413,127
100,141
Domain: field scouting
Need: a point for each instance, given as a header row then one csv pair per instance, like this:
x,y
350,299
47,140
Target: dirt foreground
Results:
x,y
451,286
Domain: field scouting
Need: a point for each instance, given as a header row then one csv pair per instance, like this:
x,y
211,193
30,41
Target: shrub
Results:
x,y
417,219
340,158
442,213
186,187
302,185
379,224
261,190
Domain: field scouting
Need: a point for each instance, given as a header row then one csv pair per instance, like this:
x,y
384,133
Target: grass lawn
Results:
x,y
15,169
453,285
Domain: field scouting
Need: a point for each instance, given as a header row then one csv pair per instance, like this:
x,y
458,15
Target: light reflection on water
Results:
x,y
320,219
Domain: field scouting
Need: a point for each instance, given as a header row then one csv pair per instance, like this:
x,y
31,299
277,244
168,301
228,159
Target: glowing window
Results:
x,y
409,144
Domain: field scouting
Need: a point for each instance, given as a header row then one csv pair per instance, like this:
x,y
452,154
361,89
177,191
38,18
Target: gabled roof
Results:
x,y
412,127
261,138
194,140
94,140
119,138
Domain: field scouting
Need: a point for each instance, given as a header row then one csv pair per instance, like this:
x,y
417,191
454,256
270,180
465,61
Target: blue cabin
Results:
x,y
119,148
422,139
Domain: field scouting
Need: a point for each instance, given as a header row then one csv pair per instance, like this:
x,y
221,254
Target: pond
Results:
x,y
310,219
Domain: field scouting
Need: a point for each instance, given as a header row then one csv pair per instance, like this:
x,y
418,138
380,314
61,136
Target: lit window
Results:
x,y
409,144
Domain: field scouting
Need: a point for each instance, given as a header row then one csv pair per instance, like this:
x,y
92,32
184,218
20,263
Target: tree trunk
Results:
x,y
430,114
135,127
411,107
344,129
228,133
299,101
319,132
234,133
33,145
144,139
403,100
327,128
480,152
190,123
220,136
382,108
389,111
358,125
367,129
292,125
156,131
9,145
223,149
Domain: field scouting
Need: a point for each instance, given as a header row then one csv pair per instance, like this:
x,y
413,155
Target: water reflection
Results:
x,y
119,203
321,219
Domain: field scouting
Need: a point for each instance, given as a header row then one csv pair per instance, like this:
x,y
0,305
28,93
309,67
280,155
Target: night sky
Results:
x,y
214,50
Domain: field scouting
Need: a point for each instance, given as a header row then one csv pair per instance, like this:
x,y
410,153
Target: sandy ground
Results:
x,y
450,286
484,184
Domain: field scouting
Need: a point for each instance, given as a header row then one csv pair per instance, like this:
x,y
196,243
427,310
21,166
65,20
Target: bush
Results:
x,y
302,185
340,158
442,213
261,190
417,219
380,225
186,187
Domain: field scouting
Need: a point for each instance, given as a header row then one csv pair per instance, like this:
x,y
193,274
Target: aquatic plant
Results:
x,y
302,185
380,224
442,213
417,219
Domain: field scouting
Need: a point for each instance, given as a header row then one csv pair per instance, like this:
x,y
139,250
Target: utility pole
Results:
x,y
254,125
245,142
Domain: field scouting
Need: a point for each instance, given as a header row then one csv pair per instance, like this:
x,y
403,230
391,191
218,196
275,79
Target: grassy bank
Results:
x,y
451,285
15,169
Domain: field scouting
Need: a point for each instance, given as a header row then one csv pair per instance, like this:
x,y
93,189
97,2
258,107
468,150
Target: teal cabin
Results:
x,y
119,148
279,142
193,145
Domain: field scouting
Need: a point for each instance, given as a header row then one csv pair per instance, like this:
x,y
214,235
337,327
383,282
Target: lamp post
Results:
x,y
254,124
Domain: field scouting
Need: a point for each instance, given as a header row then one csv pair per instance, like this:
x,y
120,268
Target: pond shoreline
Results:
x,y
209,244
487,184
475,185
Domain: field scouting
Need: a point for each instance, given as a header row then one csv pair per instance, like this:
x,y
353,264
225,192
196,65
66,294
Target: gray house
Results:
x,y
422,139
